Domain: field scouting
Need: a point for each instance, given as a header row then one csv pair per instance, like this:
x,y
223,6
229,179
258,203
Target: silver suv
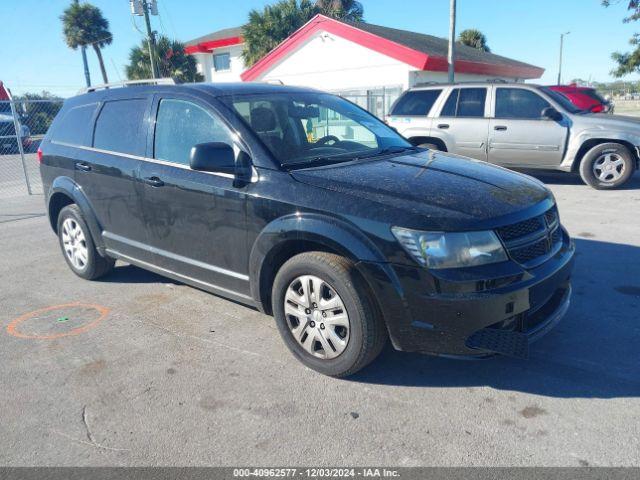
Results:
x,y
520,126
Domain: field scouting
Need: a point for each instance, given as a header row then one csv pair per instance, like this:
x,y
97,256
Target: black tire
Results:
x,y
367,331
596,155
96,265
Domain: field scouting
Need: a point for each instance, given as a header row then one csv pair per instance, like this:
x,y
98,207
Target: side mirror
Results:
x,y
552,114
213,157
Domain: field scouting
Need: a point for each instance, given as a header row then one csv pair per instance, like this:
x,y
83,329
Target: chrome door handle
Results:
x,y
153,181
85,167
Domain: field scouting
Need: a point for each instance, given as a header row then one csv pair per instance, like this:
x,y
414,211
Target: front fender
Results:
x,y
67,186
605,135
334,234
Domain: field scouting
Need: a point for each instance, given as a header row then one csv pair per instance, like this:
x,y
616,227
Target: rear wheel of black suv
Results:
x,y
607,166
77,245
326,315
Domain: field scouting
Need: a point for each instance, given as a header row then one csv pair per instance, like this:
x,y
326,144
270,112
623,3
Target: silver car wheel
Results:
x,y
317,317
608,167
75,244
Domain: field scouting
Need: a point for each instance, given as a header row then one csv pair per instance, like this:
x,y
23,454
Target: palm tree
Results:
x,y
341,9
475,39
171,59
267,28
83,24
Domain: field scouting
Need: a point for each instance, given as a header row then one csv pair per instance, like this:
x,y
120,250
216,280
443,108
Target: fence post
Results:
x,y
16,127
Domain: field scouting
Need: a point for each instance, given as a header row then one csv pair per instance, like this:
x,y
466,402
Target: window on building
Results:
x,y
119,127
180,125
519,103
465,102
222,62
417,102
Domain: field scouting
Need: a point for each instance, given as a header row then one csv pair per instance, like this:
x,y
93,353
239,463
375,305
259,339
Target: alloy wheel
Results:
x,y
317,317
608,167
75,244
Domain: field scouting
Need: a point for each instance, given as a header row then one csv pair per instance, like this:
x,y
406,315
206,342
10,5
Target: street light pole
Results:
x,y
560,63
150,39
452,41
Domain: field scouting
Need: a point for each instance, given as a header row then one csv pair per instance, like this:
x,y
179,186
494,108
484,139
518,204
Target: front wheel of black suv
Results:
x,y
77,245
607,166
326,315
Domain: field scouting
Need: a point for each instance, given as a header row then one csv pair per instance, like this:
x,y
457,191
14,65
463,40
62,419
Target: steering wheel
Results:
x,y
324,140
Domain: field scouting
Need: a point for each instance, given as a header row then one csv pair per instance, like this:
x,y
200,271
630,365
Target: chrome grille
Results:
x,y
534,240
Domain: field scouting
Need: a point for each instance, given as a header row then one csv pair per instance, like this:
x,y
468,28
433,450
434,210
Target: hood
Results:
x,y
441,186
605,121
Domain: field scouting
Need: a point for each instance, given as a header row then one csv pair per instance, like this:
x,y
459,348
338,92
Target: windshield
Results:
x,y
309,129
562,100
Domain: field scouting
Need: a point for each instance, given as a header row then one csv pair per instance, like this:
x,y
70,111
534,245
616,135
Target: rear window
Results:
x,y
73,127
119,127
465,102
418,102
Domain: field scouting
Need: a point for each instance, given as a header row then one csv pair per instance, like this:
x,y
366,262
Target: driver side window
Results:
x,y
519,103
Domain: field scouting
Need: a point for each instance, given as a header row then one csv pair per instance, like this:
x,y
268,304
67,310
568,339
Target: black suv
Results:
x,y
309,208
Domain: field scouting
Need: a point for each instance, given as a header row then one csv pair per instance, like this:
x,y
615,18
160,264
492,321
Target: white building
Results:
x,y
367,63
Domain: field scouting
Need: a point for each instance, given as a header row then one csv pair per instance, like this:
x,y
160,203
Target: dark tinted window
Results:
x,y
519,103
180,125
449,109
465,102
74,126
119,127
471,102
418,102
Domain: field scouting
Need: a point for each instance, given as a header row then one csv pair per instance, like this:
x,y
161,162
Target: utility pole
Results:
x,y
560,63
146,8
452,41
83,49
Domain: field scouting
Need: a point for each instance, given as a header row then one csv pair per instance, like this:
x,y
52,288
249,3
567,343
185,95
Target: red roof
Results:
x,y
4,93
423,52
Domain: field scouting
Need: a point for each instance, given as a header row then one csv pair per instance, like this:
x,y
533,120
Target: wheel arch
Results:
x,y
64,191
286,237
587,145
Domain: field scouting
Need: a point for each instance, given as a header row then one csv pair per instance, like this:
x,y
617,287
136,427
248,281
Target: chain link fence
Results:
x,y
23,124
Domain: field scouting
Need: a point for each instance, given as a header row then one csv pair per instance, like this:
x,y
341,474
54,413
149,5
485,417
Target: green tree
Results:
x,y
83,24
172,61
36,114
628,62
341,9
273,24
474,38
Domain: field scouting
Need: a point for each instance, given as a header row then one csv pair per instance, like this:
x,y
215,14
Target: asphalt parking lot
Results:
x,y
138,370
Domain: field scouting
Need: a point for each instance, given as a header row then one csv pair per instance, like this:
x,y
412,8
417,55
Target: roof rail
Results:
x,y
129,83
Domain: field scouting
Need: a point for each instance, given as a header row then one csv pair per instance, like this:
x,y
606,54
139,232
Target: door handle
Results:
x,y
85,167
500,128
153,181
443,126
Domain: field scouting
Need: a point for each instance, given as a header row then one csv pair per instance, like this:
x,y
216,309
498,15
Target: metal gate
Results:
x,y
23,124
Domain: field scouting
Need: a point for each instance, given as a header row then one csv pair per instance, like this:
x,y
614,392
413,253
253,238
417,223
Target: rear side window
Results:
x,y
119,127
465,102
417,102
519,103
74,126
180,125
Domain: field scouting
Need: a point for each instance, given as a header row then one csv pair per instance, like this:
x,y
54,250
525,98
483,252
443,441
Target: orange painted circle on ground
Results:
x,y
13,327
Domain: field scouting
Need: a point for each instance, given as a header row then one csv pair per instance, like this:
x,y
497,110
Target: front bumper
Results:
x,y
499,309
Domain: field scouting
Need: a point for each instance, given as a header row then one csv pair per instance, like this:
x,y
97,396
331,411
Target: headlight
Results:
x,y
451,249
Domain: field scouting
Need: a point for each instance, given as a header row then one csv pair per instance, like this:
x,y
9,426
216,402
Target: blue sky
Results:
x,y
34,57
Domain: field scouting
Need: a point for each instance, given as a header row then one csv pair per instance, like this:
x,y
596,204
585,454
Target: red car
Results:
x,y
585,98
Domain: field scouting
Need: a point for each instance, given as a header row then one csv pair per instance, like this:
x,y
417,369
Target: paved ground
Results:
x,y
175,376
